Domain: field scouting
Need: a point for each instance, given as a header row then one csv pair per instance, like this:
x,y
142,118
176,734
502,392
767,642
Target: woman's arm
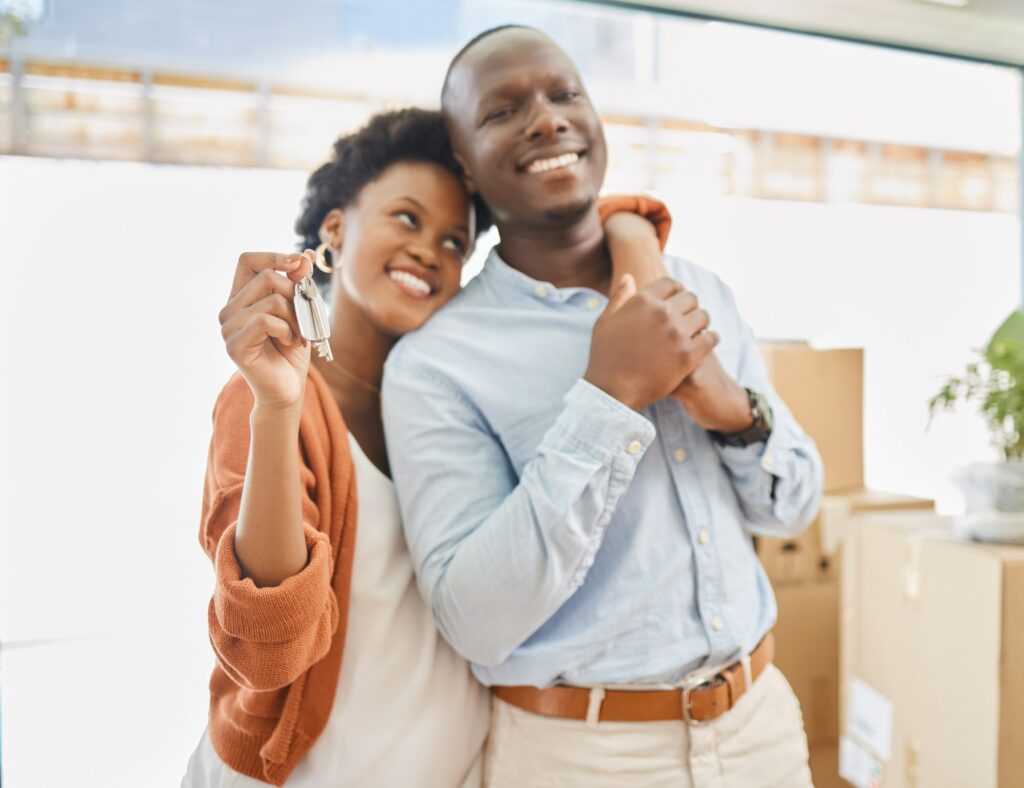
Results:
x,y
274,611
264,637
636,229
269,540
262,337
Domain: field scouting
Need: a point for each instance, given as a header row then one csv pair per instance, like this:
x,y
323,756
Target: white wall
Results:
x,y
114,274
108,403
917,289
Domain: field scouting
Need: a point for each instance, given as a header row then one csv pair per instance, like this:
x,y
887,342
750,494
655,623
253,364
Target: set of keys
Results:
x,y
312,314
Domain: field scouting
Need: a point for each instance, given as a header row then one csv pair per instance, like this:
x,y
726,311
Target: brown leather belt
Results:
x,y
709,699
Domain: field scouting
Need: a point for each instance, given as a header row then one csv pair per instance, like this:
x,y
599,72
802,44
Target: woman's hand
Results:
x,y
260,329
634,247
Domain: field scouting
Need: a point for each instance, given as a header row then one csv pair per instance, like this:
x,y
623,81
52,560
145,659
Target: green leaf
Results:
x,y
1012,330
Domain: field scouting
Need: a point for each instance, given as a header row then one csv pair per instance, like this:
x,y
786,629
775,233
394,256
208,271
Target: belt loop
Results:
x,y
594,706
747,675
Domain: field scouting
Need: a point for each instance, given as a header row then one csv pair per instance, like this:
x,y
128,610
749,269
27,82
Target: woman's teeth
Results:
x,y
414,283
546,165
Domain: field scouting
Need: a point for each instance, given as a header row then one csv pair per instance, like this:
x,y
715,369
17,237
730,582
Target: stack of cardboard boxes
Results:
x,y
824,390
932,657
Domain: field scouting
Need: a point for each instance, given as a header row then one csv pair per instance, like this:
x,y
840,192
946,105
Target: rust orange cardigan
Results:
x,y
279,648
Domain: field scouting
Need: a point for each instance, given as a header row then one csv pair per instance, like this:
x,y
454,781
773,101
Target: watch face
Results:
x,y
764,411
760,410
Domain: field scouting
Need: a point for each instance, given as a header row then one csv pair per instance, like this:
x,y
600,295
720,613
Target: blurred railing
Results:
x,y
73,111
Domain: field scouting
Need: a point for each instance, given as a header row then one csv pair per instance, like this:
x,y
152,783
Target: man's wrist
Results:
x,y
725,411
626,399
758,427
739,416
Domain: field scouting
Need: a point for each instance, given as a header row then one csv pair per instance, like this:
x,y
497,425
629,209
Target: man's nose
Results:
x,y
547,121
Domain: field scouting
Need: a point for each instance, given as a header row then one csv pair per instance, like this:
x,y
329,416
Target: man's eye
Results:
x,y
498,114
567,95
406,218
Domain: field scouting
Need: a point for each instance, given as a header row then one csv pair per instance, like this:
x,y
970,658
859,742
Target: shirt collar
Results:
x,y
507,278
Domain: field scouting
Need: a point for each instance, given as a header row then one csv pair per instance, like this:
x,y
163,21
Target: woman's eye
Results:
x,y
407,219
457,245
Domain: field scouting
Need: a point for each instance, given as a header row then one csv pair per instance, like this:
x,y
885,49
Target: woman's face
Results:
x,y
404,241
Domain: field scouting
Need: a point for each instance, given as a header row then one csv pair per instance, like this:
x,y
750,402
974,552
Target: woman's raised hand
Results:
x,y
260,329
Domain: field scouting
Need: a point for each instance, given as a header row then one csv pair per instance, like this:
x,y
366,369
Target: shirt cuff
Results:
x,y
598,424
774,456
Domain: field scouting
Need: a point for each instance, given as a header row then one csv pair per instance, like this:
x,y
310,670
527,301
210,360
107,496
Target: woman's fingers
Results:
x,y
305,267
252,263
256,332
273,304
266,282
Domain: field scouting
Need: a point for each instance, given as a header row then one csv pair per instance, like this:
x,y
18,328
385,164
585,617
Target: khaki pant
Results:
x,y
759,743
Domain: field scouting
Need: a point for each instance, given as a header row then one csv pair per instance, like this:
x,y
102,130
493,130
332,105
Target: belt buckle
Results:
x,y
693,681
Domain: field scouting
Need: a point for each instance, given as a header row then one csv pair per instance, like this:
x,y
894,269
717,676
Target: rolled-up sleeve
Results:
x,y
497,553
263,637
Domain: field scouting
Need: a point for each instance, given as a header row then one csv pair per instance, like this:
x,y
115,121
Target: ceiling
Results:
x,y
990,30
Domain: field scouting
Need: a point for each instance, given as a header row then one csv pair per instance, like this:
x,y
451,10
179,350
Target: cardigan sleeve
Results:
x,y
264,638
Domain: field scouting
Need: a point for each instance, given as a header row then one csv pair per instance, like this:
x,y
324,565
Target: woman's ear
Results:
x,y
332,229
467,178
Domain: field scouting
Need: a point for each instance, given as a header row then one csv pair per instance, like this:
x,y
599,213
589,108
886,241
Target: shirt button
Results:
x,y
541,291
593,302
767,461
704,537
635,447
680,455
717,624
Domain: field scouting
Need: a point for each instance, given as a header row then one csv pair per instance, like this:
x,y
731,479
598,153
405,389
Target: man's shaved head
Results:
x,y
469,45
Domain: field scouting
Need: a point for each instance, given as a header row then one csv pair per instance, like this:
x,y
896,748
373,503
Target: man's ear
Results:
x,y
332,229
467,177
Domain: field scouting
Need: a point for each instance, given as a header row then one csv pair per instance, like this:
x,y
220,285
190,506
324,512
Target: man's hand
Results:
x,y
647,342
712,398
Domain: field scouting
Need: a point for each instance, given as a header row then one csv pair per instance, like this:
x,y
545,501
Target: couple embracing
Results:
x,y
506,542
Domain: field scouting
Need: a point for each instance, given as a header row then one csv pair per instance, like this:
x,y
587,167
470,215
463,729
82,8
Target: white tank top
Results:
x,y
407,711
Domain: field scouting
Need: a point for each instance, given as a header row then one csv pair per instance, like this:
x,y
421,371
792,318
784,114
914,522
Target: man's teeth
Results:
x,y
546,165
413,282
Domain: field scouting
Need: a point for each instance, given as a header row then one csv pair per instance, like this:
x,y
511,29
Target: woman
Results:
x,y
296,443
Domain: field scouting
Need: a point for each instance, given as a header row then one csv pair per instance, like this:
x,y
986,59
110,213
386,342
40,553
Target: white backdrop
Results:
x,y
113,277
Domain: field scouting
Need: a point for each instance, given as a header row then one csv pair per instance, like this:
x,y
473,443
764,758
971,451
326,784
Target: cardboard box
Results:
x,y
932,655
795,560
807,653
838,512
824,762
812,556
825,391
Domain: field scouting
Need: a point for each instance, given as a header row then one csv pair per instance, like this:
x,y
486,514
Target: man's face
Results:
x,y
525,130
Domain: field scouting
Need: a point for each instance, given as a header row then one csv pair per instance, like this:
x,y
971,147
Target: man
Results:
x,y
580,475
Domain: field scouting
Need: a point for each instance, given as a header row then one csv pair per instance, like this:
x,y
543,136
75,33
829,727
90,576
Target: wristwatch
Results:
x,y
757,432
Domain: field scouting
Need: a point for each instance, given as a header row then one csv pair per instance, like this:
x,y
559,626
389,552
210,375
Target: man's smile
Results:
x,y
547,163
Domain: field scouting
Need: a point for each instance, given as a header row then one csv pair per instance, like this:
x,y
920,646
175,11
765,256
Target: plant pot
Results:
x,y
994,497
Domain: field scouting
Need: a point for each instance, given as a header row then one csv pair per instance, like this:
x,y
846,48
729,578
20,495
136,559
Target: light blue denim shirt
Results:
x,y
560,536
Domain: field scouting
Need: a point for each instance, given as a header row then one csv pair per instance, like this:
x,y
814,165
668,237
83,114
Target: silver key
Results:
x,y
312,314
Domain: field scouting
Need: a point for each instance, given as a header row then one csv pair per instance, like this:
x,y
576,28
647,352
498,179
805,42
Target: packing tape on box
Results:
x,y
912,569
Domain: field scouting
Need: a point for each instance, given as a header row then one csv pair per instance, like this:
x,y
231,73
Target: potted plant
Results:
x,y
993,492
